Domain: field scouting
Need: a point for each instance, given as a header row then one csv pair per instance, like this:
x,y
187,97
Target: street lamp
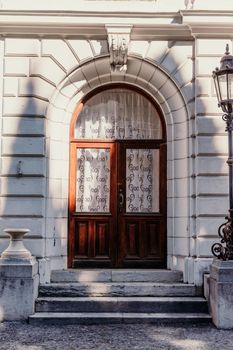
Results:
x,y
223,81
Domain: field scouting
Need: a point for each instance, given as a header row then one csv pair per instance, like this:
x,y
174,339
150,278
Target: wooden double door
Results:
x,y
117,206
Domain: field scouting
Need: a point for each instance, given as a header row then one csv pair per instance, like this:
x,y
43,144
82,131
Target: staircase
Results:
x,y
118,296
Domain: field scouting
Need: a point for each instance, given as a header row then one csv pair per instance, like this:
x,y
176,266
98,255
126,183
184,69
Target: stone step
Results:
x,y
122,304
121,289
116,275
43,318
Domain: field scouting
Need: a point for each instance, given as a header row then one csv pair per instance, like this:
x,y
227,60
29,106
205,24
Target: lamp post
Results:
x,y
223,81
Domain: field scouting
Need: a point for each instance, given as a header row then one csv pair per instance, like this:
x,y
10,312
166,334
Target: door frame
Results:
x,y
72,186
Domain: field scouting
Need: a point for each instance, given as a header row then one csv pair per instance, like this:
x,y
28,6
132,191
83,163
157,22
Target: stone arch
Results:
x,y
167,93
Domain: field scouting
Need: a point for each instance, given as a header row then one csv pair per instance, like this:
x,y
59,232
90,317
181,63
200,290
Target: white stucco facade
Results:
x,y
52,55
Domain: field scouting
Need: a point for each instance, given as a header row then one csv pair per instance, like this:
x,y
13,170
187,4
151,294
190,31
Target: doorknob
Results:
x,y
121,200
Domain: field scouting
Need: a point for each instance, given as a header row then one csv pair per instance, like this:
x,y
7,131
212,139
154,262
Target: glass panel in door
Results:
x,y
93,180
142,180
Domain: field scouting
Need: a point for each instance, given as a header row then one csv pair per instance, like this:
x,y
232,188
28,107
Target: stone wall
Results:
x,y
43,81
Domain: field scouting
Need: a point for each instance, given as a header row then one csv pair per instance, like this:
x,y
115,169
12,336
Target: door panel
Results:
x,y
93,218
102,230
142,240
94,242
141,244
132,238
82,230
118,204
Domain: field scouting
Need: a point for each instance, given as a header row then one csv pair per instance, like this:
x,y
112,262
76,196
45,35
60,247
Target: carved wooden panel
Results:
x,y
132,239
81,238
102,232
94,242
152,239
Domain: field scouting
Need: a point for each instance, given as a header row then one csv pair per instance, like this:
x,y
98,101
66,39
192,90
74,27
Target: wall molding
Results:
x,y
182,25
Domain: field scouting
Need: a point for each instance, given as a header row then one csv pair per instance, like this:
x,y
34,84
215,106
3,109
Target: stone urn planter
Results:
x,y
19,278
16,248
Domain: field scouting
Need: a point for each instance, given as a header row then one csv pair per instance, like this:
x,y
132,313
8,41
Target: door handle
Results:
x,y
121,200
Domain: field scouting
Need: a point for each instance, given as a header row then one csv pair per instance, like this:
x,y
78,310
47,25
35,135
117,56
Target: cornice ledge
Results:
x,y
162,32
73,25
207,17
80,13
186,24
90,31
212,31
211,24
199,13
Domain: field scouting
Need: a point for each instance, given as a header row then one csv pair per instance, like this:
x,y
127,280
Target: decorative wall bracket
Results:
x,y
118,42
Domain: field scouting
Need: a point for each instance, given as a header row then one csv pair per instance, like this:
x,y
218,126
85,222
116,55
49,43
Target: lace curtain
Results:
x,y
93,180
142,180
118,114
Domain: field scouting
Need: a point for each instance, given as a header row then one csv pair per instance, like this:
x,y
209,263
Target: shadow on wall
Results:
x,y
24,168
32,190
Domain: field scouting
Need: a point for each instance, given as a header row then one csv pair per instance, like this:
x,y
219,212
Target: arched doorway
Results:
x,y
117,192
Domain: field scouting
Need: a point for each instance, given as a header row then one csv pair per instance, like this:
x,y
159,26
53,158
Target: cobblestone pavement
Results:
x,y
21,336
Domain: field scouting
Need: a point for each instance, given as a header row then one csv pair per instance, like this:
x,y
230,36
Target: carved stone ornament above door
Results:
x,y
118,42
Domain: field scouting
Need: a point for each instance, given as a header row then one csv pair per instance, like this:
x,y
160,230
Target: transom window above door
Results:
x,y
118,114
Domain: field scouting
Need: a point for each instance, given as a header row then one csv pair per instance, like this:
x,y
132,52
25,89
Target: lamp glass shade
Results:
x,y
223,81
